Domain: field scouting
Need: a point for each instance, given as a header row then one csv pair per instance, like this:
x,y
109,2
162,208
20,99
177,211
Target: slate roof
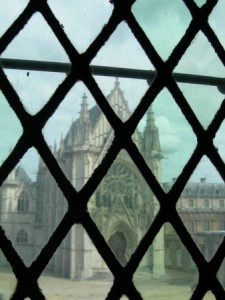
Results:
x,y
201,189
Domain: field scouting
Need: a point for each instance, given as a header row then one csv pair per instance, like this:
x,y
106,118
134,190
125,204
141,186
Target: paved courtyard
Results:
x,y
173,286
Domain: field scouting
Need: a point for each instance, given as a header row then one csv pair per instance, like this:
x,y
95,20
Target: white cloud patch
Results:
x,y
167,133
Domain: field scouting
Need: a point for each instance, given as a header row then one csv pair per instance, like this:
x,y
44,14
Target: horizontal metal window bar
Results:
x,y
45,66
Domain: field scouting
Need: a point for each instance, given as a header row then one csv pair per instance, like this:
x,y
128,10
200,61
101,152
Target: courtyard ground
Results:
x,y
173,286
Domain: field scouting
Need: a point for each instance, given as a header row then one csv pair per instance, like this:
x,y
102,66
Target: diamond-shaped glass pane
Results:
x,y
8,279
35,42
82,21
193,62
164,22
217,22
123,207
8,15
83,137
219,141
221,273
178,273
163,128
34,88
200,2
202,207
204,100
30,209
116,53
10,128
76,270
209,296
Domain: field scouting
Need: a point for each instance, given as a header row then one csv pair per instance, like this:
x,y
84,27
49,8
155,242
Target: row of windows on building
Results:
x,y
205,225
204,203
206,191
107,200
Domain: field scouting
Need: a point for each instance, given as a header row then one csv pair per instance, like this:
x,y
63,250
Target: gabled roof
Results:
x,y
21,175
201,189
95,114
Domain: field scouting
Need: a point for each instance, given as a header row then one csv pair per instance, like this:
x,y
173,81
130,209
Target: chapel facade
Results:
x,y
122,206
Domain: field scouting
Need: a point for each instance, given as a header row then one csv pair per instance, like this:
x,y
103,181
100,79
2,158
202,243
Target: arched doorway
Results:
x,y
118,245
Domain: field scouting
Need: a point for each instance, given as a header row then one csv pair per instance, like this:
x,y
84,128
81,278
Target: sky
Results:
x,y
164,22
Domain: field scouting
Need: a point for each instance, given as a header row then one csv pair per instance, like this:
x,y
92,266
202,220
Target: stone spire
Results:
x,y
117,83
118,102
55,147
70,138
84,123
61,144
84,113
151,142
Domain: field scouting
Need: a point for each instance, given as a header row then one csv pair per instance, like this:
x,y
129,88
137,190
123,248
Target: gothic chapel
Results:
x,y
122,206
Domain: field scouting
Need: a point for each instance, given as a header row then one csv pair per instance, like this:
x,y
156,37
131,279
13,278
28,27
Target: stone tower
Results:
x,y
153,156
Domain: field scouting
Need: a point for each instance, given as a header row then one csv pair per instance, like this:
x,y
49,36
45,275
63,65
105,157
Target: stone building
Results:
x,y
202,210
122,206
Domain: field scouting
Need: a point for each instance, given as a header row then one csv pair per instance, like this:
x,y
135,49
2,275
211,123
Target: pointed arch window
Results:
x,y
22,237
23,202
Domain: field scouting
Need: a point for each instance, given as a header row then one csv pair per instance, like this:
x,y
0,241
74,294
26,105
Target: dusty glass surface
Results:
x,y
197,63
73,15
163,22
33,42
123,50
8,15
35,88
79,137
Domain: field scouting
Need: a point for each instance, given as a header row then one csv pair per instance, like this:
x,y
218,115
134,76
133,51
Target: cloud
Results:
x,y
123,50
36,42
82,20
164,22
169,140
